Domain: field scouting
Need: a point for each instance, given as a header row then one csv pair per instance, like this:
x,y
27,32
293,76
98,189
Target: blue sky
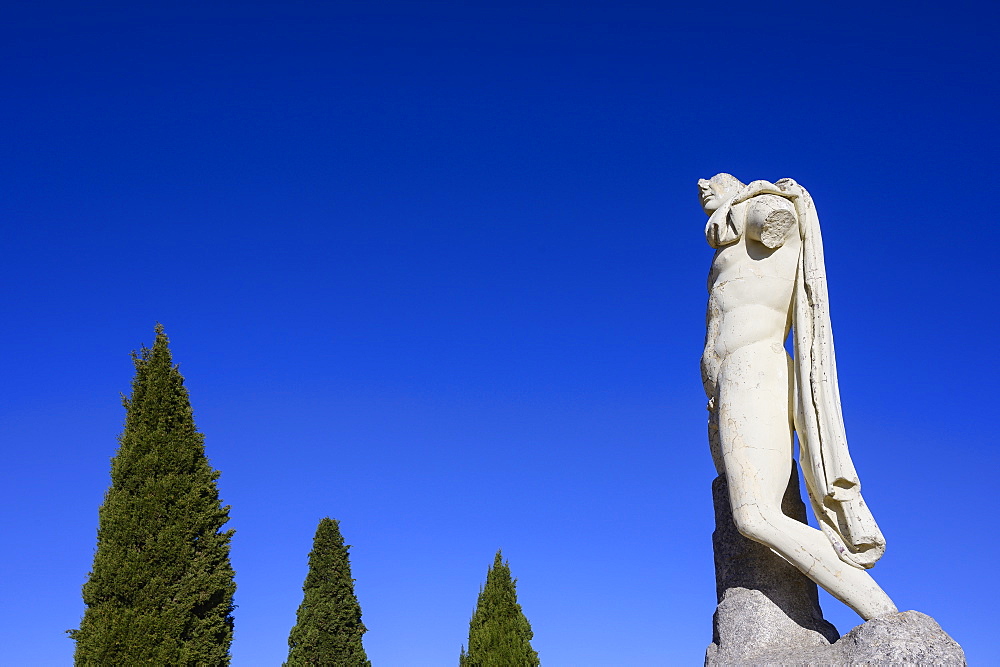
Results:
x,y
436,269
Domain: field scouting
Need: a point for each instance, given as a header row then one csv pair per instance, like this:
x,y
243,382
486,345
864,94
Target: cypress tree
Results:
x,y
161,588
499,633
328,624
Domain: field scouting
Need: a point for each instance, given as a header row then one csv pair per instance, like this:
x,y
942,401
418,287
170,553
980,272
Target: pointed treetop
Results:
x,y
161,587
499,633
328,625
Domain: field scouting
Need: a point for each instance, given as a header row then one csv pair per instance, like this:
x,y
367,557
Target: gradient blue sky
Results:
x,y
437,270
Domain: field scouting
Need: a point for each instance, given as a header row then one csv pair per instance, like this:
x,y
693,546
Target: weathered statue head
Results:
x,y
716,191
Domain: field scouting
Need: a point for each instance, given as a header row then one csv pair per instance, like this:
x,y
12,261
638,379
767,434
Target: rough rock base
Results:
x,y
906,638
749,624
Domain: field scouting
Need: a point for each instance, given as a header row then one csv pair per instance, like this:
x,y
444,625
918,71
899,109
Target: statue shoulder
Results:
x,y
770,219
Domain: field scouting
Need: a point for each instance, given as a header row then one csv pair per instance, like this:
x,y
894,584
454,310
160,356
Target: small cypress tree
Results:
x,y
328,625
161,588
499,633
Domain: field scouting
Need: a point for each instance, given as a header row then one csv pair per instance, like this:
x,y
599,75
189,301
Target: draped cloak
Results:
x,y
831,480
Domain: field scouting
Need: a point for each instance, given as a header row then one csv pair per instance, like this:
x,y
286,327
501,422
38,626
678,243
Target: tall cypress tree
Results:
x,y
328,625
161,589
499,633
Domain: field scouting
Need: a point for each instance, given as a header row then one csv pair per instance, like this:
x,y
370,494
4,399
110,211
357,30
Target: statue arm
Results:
x,y
770,219
710,360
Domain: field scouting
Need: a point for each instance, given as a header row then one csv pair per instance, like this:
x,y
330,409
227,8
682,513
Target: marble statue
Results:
x,y
768,278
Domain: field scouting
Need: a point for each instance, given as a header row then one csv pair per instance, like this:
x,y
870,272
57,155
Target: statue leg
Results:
x,y
756,436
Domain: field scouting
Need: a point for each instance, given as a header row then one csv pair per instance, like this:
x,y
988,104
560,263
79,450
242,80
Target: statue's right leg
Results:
x,y
756,439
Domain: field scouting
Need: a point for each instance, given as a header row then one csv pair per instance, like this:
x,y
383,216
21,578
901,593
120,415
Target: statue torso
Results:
x,y
750,291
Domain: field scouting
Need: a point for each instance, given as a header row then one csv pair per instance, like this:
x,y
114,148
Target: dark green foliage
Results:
x,y
328,625
499,633
161,589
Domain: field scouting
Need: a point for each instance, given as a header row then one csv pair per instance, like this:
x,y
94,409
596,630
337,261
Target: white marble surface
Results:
x,y
767,276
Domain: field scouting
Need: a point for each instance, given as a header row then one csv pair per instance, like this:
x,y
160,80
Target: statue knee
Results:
x,y
752,523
